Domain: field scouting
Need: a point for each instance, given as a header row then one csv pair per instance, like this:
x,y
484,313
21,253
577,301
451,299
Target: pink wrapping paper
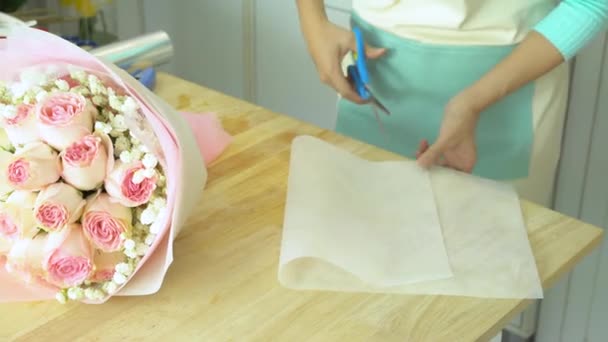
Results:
x,y
186,141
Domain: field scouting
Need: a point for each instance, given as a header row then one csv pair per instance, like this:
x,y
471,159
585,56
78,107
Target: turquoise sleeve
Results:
x,y
573,24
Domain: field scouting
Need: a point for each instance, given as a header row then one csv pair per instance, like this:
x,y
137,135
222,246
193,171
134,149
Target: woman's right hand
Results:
x,y
328,44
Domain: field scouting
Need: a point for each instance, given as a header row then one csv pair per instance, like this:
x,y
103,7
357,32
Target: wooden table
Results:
x,y
223,284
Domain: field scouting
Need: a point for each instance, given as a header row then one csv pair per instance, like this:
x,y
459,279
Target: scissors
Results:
x,y
359,75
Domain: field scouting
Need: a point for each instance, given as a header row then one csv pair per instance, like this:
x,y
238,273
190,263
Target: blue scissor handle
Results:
x,y
361,60
353,73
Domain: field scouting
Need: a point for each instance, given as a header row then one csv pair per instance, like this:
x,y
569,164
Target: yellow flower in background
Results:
x,y
86,8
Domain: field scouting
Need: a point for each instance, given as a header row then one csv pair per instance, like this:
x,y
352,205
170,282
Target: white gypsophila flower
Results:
x,y
18,89
82,90
159,203
121,145
129,106
98,294
115,102
149,161
41,95
75,293
136,153
148,215
61,298
141,249
123,268
76,72
95,85
155,227
129,244
98,100
149,173
103,127
150,239
62,85
119,123
89,293
119,278
28,99
125,157
110,287
138,176
143,148
8,111
131,254
135,141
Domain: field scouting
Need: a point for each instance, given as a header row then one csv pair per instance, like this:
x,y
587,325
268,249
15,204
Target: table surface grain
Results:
x,y
223,284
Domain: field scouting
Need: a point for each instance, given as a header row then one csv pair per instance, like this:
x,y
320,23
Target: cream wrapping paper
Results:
x,y
353,225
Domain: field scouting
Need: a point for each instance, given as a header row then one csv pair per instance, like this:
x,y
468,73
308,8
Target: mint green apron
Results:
x,y
416,80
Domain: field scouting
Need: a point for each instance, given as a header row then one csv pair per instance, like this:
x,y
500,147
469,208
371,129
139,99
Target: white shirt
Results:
x,y
460,22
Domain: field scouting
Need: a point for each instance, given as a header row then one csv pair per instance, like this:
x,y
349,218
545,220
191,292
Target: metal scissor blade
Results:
x,y
380,106
376,102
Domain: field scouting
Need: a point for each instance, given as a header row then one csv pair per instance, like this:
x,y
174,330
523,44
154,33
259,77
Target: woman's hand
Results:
x,y
328,44
455,146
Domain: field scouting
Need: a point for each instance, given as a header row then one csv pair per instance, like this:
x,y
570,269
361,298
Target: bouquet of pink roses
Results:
x,y
92,174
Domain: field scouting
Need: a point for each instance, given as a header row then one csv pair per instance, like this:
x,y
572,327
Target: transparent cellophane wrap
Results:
x,y
162,129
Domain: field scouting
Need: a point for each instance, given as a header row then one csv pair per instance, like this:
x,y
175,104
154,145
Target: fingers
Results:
x,y
371,52
431,156
345,88
422,147
374,52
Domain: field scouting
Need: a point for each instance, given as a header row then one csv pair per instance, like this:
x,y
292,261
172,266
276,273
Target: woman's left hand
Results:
x,y
455,147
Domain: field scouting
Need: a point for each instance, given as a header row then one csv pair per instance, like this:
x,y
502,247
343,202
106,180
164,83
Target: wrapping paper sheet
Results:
x,y
342,210
336,237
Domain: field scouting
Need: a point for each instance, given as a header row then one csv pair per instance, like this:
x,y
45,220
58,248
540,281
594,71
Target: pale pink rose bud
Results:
x,y
70,259
123,185
57,205
16,222
105,265
22,129
65,117
87,161
26,259
105,222
33,167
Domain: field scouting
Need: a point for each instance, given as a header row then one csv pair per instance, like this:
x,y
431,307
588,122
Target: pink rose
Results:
x,y
26,257
23,128
105,266
105,222
32,167
122,186
64,118
16,222
87,161
70,259
57,205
